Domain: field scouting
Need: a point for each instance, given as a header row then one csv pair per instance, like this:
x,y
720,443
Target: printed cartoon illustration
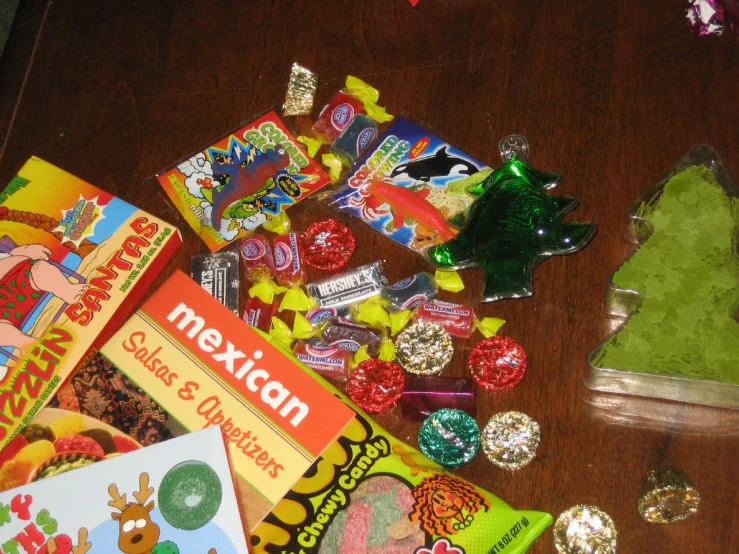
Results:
x,y
26,273
412,187
438,164
138,534
240,181
445,504
62,544
243,179
45,223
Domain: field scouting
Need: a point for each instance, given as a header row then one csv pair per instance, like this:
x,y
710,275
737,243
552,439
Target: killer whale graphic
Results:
x,y
438,164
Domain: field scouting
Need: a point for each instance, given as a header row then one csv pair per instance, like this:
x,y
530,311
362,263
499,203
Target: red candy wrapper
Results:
x,y
257,255
328,245
289,267
497,363
259,314
375,386
458,320
336,116
332,363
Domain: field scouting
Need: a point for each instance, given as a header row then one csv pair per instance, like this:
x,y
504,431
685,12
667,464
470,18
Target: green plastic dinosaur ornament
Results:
x,y
512,226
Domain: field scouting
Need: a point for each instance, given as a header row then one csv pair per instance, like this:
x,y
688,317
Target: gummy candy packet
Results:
x,y
371,493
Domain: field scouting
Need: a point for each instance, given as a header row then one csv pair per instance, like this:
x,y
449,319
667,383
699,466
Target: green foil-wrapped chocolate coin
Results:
x,y
190,495
449,437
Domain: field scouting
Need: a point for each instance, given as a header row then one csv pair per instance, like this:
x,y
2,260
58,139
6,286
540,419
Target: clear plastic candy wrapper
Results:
x,y
678,292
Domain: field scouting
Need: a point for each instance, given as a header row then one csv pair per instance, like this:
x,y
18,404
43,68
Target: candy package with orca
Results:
x,y
369,492
242,180
411,186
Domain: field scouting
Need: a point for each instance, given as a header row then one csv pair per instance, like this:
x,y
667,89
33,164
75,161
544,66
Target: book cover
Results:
x,y
74,260
173,498
411,186
204,366
242,180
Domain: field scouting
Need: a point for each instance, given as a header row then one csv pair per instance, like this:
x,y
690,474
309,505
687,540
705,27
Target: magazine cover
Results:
x,y
412,186
242,180
74,260
177,498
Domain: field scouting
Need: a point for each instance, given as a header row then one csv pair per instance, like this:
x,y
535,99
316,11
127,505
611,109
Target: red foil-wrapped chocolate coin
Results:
x,y
375,386
497,363
328,245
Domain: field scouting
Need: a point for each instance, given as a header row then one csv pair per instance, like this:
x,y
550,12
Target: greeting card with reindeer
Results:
x,y
176,497
412,186
74,260
242,180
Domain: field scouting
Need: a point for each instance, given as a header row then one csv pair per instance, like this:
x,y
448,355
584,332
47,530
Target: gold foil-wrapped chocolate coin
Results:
x,y
669,496
424,349
585,530
301,91
510,440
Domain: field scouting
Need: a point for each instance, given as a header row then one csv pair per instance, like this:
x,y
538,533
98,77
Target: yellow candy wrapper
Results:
x,y
312,144
297,300
399,320
488,326
387,351
279,224
302,329
280,332
448,280
334,166
266,290
369,96
360,356
372,312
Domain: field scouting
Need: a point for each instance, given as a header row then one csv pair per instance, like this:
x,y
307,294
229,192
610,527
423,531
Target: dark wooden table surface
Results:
x,y
610,94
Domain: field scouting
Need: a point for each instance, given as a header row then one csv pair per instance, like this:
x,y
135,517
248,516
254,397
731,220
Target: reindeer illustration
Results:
x,y
138,534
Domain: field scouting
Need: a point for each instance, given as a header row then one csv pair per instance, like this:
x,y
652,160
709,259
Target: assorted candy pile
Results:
x,y
389,343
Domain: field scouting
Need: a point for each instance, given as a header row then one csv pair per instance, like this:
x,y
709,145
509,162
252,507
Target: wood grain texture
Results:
x,y
610,94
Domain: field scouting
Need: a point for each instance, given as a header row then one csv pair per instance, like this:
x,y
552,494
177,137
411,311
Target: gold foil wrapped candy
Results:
x,y
585,530
301,91
669,496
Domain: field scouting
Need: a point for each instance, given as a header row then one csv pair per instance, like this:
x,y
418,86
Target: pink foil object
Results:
x,y
707,17
424,395
731,14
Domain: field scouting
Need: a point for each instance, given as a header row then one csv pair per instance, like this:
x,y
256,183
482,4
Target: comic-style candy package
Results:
x,y
370,493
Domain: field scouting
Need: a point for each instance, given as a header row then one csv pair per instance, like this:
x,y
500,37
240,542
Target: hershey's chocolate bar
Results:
x,y
218,274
